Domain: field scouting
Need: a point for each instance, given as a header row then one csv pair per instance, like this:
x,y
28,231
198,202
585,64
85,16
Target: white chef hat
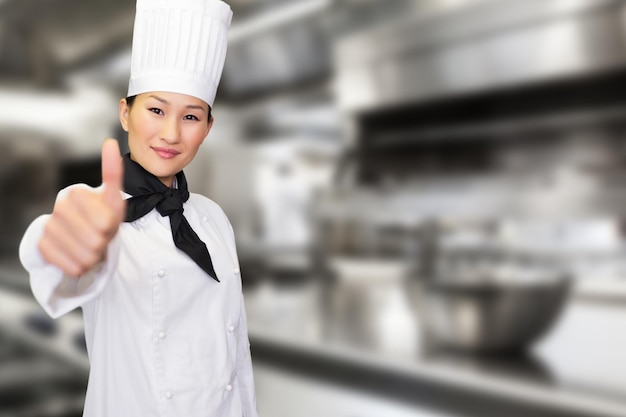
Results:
x,y
179,46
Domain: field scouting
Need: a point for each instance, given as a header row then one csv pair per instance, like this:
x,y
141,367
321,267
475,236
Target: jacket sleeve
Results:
x,y
57,293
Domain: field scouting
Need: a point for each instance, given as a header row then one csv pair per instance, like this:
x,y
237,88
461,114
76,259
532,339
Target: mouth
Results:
x,y
165,153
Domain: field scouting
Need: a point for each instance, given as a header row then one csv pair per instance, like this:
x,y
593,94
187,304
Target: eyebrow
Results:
x,y
164,101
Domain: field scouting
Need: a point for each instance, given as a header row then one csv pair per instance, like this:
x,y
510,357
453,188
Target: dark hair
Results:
x,y
130,100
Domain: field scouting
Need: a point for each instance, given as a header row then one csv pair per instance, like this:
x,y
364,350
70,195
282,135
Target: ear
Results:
x,y
123,114
208,128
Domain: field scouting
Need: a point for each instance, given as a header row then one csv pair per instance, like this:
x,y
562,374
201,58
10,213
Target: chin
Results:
x,y
165,173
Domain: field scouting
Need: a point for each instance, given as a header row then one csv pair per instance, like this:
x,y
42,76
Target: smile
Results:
x,y
165,153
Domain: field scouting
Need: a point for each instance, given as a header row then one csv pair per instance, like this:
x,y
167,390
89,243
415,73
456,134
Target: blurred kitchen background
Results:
x,y
428,198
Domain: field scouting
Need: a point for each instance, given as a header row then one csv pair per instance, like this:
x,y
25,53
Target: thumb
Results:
x,y
112,173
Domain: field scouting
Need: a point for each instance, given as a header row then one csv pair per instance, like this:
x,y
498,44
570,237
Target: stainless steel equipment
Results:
x,y
493,110
491,308
44,362
448,51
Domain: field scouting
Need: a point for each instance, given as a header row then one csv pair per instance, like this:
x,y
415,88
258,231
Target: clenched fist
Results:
x,y
83,223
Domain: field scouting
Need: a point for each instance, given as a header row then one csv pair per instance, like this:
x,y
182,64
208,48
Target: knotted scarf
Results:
x,y
148,192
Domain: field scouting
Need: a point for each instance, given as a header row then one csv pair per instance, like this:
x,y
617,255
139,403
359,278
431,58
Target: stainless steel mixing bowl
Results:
x,y
491,314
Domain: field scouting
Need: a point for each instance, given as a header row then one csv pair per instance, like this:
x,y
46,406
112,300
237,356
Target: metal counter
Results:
x,y
577,370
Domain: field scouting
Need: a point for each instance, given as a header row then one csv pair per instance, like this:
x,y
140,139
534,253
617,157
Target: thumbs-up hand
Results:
x,y
113,178
83,223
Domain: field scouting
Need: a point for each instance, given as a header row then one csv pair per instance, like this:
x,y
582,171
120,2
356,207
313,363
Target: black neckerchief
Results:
x,y
148,192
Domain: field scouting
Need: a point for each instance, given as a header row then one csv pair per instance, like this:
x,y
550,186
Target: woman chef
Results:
x,y
153,267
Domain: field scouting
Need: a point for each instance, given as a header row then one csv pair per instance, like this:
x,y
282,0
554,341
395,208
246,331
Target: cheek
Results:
x,y
139,130
195,138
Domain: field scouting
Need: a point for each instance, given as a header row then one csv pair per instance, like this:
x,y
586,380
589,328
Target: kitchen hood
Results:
x,y
481,47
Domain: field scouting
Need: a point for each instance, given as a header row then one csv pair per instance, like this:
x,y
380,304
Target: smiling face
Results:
x,y
165,131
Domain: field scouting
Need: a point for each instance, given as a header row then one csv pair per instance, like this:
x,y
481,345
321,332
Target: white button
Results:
x,y
142,220
229,387
236,270
162,335
161,273
231,328
205,219
168,395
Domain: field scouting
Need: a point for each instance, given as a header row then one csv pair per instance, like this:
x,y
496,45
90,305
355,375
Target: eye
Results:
x,y
191,117
156,110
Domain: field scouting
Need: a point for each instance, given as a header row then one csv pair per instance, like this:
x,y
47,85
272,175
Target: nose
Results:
x,y
170,130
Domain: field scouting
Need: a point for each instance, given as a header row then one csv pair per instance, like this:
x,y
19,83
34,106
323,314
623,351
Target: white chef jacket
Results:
x,y
163,338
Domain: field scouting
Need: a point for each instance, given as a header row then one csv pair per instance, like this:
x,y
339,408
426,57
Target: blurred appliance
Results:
x,y
367,256
44,361
42,154
277,49
41,42
479,46
486,90
461,114
450,90
27,182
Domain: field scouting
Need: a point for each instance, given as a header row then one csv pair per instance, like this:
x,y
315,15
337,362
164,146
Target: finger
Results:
x,y
112,173
88,211
77,231
58,257
72,248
